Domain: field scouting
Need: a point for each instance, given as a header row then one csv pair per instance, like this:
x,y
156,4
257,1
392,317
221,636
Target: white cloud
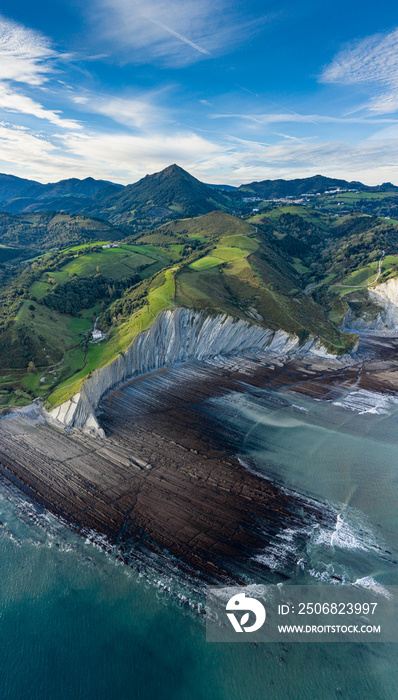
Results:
x,y
370,62
386,103
23,152
139,112
372,59
121,157
12,101
370,161
25,55
127,157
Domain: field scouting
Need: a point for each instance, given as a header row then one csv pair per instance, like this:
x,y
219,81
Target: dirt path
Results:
x,y
362,286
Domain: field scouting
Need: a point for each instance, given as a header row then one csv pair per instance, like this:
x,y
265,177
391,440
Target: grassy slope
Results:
x,y
160,296
56,339
248,277
43,230
345,258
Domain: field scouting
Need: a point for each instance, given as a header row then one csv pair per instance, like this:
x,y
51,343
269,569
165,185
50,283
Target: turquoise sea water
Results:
x,y
77,625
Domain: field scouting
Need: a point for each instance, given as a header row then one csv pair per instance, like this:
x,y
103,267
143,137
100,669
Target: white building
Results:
x,y
98,335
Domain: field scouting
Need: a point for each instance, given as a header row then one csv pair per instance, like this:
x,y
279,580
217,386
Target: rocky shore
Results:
x,y
164,480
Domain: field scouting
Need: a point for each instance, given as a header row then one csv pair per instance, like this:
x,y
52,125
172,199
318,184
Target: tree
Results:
x,y
31,367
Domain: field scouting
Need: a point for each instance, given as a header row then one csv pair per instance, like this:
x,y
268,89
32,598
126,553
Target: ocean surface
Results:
x,y
76,624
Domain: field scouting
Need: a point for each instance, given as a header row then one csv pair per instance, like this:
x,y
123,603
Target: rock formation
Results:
x,y
384,296
177,335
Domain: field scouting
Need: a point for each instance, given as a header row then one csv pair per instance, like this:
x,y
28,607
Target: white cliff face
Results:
x,y
386,297
176,336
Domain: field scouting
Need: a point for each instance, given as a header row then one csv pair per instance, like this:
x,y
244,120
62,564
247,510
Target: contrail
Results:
x,y
180,37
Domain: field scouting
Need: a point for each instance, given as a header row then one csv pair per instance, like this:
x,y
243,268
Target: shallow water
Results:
x,y
76,624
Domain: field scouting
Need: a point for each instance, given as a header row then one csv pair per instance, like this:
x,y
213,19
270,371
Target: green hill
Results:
x,y
336,257
48,308
39,231
174,193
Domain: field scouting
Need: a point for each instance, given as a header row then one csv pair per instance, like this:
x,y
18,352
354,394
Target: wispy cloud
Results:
x,y
119,157
128,157
139,112
175,33
182,38
372,59
295,118
25,55
371,62
13,101
370,161
31,154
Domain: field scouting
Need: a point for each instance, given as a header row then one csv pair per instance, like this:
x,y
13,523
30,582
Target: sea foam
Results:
x,y
363,401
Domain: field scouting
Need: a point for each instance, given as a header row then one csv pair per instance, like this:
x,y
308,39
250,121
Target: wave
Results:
x,y
371,583
320,551
364,401
284,550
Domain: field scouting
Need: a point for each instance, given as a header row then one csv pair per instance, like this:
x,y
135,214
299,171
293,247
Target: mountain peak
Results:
x,y
170,193
171,171
173,167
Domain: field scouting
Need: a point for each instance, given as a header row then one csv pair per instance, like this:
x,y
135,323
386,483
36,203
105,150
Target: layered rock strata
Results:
x,y
177,335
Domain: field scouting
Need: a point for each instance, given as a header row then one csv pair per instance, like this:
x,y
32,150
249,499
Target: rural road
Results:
x,y
360,286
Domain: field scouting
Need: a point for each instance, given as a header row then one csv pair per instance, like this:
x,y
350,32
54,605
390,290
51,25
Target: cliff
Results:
x,y
176,336
384,296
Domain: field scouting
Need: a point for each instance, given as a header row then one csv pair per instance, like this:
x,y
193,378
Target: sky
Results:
x,y
231,91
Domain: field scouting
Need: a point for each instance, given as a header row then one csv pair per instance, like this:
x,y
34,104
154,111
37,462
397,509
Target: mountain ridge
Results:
x,y
309,185
18,195
157,197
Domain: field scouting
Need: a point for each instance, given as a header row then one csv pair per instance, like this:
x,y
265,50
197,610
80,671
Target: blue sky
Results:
x,y
231,91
